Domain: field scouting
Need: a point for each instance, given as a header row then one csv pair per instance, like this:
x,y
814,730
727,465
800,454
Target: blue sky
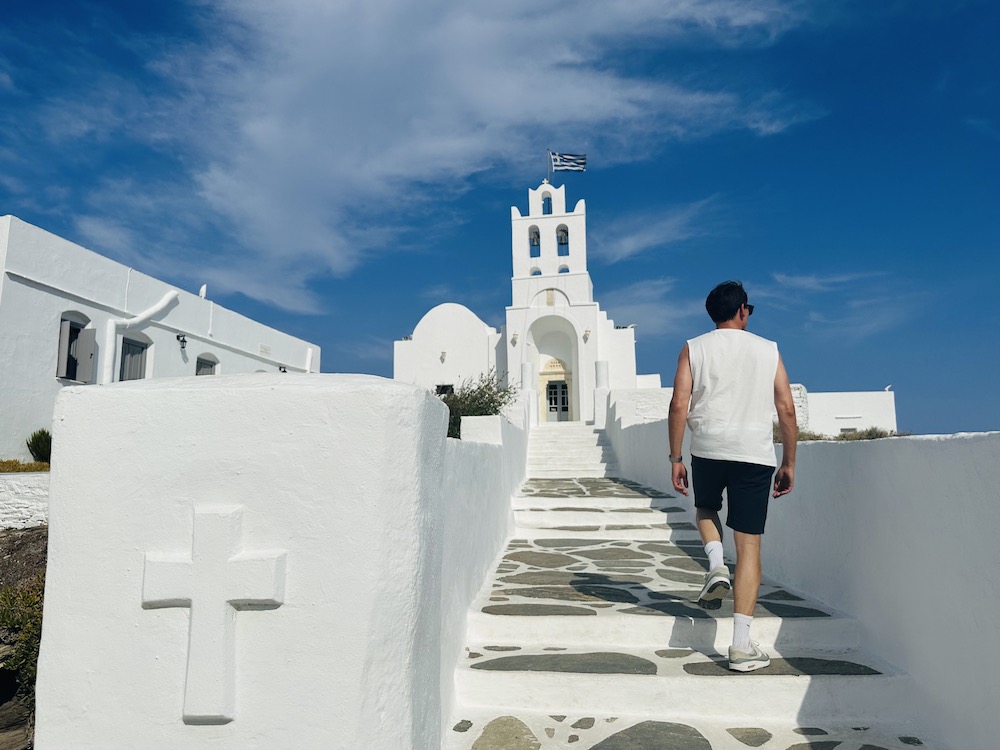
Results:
x,y
334,169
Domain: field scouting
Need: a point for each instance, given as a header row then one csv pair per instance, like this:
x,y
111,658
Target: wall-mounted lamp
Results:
x,y
183,340
443,355
282,368
513,340
586,335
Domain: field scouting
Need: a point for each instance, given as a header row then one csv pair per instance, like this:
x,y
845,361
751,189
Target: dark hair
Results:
x,y
725,300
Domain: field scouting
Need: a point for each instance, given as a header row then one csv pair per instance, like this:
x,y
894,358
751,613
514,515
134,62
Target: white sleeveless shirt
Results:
x,y
732,398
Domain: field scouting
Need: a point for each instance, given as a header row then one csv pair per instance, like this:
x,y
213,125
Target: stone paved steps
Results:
x,y
557,472
588,635
551,591
664,504
811,686
602,632
570,450
639,533
579,450
556,517
607,731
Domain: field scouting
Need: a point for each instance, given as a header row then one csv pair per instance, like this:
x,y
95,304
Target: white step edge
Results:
x,y
642,535
535,519
610,632
732,698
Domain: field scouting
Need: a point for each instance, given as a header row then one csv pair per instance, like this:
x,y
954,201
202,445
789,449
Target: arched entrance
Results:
x,y
555,386
552,343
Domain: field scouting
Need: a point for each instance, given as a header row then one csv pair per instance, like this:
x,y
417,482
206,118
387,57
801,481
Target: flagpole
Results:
x,y
548,165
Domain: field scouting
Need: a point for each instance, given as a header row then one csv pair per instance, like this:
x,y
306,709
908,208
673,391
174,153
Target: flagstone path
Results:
x,y
588,635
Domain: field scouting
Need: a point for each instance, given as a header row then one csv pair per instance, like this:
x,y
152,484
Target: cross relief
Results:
x,y
214,581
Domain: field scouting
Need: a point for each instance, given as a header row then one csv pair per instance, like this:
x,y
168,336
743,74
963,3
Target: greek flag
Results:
x,y
568,162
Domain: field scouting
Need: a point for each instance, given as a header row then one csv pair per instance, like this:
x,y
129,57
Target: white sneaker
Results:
x,y
715,589
743,661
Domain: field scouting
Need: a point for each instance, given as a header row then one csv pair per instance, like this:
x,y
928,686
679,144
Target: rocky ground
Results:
x,y
22,558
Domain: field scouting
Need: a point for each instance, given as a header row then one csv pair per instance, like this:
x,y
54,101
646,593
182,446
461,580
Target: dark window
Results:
x,y
535,242
76,352
546,204
563,269
536,271
562,239
204,367
444,390
133,360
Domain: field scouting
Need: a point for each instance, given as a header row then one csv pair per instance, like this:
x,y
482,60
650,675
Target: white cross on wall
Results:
x,y
216,580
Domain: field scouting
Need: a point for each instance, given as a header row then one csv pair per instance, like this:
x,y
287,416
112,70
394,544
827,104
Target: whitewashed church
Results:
x,y
559,346
557,341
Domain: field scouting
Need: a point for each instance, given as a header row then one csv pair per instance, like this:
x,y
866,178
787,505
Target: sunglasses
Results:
x,y
749,308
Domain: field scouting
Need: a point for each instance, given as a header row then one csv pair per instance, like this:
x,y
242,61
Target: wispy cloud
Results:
x,y
282,133
860,318
984,127
652,307
638,233
820,283
850,306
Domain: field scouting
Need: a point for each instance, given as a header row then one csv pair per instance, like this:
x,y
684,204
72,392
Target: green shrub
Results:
x,y
21,617
803,435
13,466
869,433
40,445
477,398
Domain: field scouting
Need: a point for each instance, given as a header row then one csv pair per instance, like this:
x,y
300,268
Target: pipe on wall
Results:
x,y
116,324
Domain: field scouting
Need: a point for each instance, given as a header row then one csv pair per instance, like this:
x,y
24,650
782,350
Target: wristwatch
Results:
x,y
677,460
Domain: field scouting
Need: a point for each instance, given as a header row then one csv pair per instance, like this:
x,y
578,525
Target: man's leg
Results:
x,y
709,525
717,583
746,582
744,655
709,481
748,496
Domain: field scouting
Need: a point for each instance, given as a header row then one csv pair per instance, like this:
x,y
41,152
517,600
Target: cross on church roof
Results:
x,y
217,579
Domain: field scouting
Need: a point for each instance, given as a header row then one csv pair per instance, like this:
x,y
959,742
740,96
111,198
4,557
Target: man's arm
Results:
x,y
680,402
784,478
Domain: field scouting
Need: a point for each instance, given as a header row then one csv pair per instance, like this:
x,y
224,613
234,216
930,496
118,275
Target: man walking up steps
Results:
x,y
728,385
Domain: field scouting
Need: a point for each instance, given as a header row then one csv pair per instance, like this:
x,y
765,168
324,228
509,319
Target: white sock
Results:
x,y
714,552
741,632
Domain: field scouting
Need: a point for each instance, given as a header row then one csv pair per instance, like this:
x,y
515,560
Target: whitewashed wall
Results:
x,y
637,429
482,472
45,276
449,345
24,500
897,533
387,529
900,534
832,412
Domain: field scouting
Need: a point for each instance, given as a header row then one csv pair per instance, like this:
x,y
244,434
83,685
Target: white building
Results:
x,y
69,316
558,344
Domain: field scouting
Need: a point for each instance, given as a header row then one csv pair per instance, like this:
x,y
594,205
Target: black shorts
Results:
x,y
748,489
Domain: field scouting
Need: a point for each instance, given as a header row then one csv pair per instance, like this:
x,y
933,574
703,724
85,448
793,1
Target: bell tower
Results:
x,y
549,248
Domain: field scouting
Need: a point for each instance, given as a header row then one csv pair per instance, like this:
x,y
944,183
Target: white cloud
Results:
x,y
652,307
859,319
107,235
648,231
307,135
322,116
820,283
849,307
